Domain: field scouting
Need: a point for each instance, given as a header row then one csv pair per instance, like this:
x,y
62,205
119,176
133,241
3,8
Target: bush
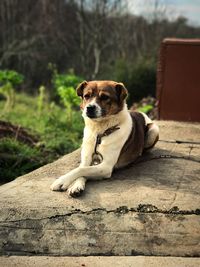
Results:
x,y
10,76
67,80
9,79
142,81
65,85
139,78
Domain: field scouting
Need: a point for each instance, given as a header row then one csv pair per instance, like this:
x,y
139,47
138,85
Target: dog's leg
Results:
x,y
78,186
152,135
100,171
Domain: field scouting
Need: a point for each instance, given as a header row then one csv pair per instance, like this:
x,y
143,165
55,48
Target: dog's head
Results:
x,y
101,98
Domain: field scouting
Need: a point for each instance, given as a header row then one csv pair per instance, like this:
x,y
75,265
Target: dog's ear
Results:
x,y
80,88
121,91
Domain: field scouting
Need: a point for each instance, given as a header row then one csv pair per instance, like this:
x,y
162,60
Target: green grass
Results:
x,y
57,135
17,159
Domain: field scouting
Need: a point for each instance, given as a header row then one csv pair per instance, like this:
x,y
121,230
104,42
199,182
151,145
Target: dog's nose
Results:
x,y
91,110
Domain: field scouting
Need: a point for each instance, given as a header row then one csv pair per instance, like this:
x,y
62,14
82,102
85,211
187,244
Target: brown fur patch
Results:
x,y
134,146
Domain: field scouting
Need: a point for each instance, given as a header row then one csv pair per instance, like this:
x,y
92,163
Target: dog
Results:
x,y
114,137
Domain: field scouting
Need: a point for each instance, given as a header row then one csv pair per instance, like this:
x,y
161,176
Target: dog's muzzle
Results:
x,y
93,111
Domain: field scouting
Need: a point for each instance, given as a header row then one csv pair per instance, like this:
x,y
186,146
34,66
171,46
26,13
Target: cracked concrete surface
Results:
x,y
139,261
150,208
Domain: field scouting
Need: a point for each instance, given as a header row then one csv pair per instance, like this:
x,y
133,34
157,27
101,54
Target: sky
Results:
x,y
174,8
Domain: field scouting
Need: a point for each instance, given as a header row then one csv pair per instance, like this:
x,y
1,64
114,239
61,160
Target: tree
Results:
x,y
96,28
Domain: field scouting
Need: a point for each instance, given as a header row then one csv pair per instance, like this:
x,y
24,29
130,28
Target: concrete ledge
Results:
x,y
151,208
139,261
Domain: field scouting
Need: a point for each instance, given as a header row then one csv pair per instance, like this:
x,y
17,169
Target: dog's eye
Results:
x,y
87,96
104,97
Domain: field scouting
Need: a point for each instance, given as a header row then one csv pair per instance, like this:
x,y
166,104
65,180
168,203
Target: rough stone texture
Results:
x,y
150,208
139,261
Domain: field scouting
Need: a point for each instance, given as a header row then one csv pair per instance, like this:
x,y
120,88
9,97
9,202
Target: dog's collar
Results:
x,y
97,158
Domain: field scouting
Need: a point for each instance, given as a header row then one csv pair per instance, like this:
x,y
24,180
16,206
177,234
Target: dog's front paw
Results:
x,y
77,188
59,184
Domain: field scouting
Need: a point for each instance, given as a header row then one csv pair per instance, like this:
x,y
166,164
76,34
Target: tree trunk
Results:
x,y
97,54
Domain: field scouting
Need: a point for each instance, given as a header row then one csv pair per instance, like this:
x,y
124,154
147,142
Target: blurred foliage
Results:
x,y
88,36
8,92
147,105
9,79
40,100
146,109
142,80
57,135
17,158
65,86
11,76
139,78
68,80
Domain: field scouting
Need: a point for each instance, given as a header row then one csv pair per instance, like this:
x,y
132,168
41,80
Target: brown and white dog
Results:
x,y
113,136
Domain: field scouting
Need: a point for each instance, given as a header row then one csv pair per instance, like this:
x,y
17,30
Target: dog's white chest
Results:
x,y
98,144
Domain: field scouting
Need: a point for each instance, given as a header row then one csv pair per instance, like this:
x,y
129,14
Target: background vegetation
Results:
x,y
55,127
47,47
